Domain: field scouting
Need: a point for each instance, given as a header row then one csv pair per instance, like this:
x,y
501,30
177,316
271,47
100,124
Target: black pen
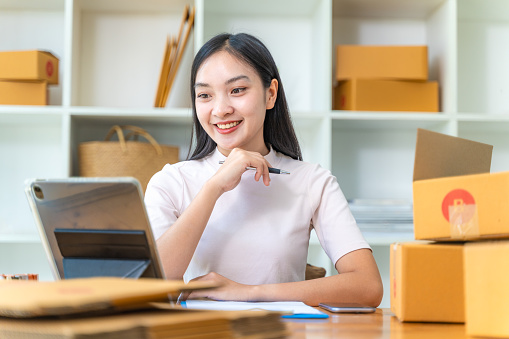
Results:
x,y
271,170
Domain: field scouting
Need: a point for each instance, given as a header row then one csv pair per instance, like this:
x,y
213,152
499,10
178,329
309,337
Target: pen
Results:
x,y
271,170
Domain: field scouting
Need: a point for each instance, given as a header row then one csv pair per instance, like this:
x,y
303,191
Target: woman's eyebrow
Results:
x,y
227,82
239,77
201,84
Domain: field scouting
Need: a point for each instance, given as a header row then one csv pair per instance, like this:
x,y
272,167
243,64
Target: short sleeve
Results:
x,y
332,219
162,203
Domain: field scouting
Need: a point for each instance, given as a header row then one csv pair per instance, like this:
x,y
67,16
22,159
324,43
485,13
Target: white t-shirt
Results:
x,y
257,234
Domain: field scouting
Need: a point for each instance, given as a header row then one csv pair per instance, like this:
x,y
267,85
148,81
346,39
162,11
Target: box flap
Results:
x,y
439,155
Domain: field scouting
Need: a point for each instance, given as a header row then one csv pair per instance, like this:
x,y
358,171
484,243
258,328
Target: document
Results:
x,y
291,309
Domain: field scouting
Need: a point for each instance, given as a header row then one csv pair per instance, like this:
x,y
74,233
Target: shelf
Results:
x,y
13,238
31,5
348,120
297,35
397,22
481,117
31,25
117,49
32,144
180,116
483,37
386,239
110,55
384,151
31,115
392,9
376,238
483,10
298,8
133,6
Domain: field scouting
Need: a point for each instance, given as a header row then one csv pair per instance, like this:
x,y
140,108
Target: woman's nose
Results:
x,y
222,107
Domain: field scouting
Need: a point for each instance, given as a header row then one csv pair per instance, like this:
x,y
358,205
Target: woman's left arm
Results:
x,y
358,281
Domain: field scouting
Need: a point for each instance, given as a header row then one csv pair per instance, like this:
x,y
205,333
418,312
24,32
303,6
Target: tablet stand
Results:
x,y
104,253
83,268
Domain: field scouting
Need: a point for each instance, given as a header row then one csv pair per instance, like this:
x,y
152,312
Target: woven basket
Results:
x,y
124,158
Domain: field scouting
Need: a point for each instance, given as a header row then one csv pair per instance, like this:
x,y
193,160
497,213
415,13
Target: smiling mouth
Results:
x,y
228,125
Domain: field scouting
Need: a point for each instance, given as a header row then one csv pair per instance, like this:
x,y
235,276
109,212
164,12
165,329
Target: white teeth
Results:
x,y
230,125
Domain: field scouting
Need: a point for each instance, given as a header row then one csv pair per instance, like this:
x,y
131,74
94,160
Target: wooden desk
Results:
x,y
378,325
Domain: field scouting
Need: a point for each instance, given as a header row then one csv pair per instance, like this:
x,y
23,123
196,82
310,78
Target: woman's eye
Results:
x,y
202,96
238,90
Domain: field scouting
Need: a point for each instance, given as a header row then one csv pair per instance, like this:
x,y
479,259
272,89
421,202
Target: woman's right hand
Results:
x,y
229,174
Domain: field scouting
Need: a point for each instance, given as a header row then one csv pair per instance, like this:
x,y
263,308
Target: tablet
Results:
x,y
94,227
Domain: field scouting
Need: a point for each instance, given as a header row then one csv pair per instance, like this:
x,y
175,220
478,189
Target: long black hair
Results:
x,y
278,129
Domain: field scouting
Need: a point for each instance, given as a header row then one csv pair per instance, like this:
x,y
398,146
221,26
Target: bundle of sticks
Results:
x,y
173,52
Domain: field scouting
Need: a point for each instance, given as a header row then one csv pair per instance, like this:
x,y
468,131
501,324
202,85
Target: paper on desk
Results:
x,y
292,309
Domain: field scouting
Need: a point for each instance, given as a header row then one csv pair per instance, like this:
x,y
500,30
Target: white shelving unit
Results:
x,y
111,50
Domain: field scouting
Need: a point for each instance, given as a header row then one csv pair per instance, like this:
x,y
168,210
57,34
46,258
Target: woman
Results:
x,y
218,222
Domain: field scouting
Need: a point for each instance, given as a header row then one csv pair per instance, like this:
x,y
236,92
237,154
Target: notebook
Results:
x,y
289,309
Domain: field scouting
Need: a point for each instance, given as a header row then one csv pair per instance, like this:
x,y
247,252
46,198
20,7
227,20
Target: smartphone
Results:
x,y
347,308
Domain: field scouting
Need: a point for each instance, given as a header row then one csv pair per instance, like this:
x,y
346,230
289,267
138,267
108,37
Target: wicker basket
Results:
x,y
124,158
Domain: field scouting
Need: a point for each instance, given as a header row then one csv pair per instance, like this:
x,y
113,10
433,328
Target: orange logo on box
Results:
x,y
456,198
49,68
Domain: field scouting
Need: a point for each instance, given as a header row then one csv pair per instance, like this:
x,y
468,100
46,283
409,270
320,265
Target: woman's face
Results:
x,y
231,103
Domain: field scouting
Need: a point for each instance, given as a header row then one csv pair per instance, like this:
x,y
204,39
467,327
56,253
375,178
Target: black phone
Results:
x,y
347,308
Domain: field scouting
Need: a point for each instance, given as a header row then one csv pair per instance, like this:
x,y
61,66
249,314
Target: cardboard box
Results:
x,y
486,292
455,196
386,95
382,62
23,92
427,282
26,299
159,323
29,65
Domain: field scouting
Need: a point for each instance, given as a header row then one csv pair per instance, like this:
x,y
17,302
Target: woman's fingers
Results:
x,y
263,171
240,161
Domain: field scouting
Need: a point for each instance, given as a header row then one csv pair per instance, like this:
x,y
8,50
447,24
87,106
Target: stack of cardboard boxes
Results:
x,y
384,78
115,307
457,271
25,76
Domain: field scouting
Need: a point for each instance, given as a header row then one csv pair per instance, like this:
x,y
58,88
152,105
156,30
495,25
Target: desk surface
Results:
x,y
378,325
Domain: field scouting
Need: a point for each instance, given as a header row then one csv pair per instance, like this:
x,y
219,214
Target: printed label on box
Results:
x,y
49,68
459,208
455,198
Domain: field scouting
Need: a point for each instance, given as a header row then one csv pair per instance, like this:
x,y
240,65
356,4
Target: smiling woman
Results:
x,y
217,222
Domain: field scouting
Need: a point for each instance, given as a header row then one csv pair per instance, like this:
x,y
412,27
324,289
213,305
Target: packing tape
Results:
x,y
464,221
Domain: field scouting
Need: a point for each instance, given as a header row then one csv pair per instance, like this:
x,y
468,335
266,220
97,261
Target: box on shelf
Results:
x,y
382,62
455,196
426,282
23,92
29,65
486,293
386,95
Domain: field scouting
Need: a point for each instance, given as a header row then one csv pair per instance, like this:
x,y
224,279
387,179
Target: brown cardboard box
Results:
x,y
382,62
486,292
28,298
427,282
172,322
29,65
108,307
455,197
386,95
23,92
